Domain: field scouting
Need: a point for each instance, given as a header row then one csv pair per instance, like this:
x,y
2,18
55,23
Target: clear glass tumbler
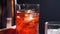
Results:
x,y
27,19
52,27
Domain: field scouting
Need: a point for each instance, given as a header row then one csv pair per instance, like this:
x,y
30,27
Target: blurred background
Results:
x,y
6,13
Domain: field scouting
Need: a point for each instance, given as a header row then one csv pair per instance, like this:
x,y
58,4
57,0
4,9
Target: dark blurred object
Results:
x,y
0,13
6,12
8,31
3,14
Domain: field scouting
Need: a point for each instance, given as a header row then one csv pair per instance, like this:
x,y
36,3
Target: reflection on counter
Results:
x,y
11,30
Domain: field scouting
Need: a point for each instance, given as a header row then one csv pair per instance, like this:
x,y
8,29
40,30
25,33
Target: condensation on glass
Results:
x,y
27,18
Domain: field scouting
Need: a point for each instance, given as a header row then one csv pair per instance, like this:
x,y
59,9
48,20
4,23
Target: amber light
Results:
x,y
12,3
27,22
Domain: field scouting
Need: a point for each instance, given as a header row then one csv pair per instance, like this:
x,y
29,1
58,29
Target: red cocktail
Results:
x,y
27,22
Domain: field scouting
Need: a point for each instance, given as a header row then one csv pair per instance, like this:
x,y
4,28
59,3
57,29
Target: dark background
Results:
x,y
53,10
